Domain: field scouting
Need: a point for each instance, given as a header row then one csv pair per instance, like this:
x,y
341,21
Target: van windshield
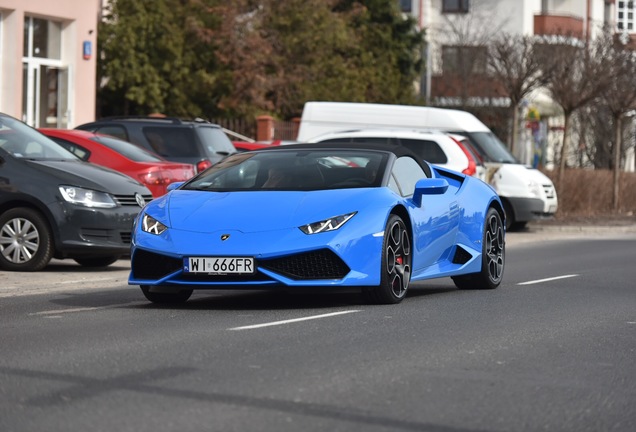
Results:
x,y
490,148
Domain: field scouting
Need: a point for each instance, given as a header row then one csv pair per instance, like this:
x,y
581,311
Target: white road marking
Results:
x,y
61,311
82,309
86,280
547,279
276,323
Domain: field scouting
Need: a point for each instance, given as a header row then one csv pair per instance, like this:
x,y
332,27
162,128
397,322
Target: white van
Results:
x,y
527,194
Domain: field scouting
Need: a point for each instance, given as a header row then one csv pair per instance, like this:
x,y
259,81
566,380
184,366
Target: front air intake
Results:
x,y
149,265
320,264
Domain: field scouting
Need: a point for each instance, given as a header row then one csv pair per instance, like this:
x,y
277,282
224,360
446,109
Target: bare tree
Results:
x,y
620,98
577,75
463,56
518,70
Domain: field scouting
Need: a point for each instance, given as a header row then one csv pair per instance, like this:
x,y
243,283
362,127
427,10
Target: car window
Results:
x,y
112,130
22,141
427,150
373,140
127,149
489,147
407,172
77,150
172,142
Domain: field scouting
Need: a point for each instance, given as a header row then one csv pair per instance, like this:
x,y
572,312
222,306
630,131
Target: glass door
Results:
x,y
45,96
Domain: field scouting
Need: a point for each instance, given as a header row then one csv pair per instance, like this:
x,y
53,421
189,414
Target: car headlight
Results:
x,y
152,225
87,197
326,225
535,189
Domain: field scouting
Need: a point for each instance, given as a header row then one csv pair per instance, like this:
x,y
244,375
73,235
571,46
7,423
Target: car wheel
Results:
x,y
395,272
177,296
493,257
97,261
26,243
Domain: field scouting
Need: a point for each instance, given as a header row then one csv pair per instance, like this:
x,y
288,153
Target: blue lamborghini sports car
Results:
x,y
361,216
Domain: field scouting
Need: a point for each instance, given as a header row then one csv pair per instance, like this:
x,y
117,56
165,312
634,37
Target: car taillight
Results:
x,y
156,177
471,170
203,165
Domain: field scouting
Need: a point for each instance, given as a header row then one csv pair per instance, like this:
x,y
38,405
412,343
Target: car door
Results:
x,y
434,222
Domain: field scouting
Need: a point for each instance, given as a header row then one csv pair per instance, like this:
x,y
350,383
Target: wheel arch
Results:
x,y
403,213
500,209
25,202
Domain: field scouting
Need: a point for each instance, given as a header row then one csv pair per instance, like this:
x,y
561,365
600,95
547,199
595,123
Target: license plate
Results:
x,y
219,265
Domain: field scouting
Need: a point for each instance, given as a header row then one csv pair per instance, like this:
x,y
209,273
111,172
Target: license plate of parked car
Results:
x,y
219,265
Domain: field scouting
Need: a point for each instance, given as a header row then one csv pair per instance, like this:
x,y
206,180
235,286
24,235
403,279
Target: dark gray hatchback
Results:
x,y
53,205
196,142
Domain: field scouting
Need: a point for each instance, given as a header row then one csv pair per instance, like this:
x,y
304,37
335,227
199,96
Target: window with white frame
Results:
x,y
42,38
625,16
455,6
406,5
464,59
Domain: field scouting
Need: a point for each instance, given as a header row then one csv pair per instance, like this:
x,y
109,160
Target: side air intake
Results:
x,y
462,256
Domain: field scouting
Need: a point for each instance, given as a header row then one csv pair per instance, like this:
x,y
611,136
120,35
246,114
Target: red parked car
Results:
x,y
150,169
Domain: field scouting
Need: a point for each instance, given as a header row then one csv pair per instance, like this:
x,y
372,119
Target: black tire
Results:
x,y
493,256
517,226
177,296
510,215
26,243
395,274
97,261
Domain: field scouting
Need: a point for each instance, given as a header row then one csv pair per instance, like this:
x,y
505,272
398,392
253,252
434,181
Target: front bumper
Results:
x,y
91,232
285,258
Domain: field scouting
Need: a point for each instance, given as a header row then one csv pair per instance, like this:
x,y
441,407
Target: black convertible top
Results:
x,y
397,150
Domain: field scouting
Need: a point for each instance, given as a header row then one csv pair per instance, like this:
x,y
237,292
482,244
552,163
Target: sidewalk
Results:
x,y
597,228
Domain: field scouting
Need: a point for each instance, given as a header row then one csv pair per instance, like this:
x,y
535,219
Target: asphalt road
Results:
x,y
553,349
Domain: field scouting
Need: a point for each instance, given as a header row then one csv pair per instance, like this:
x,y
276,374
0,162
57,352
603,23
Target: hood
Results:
x,y
255,211
88,175
514,172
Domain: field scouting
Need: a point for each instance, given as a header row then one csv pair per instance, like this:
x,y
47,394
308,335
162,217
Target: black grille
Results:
x,y
125,237
129,200
321,264
149,265
461,256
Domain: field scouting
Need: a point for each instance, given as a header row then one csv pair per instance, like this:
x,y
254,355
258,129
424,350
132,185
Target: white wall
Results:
x,y
79,19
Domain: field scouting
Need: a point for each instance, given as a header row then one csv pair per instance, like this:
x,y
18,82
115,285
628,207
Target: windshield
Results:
x,y
22,141
216,141
306,169
490,148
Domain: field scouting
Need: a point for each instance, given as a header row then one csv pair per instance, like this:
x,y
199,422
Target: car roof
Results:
x,y
382,133
172,121
395,149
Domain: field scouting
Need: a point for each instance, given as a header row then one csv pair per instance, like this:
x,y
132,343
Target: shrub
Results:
x,y
588,193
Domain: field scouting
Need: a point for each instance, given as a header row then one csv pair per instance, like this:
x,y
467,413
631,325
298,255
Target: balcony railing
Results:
x,y
559,25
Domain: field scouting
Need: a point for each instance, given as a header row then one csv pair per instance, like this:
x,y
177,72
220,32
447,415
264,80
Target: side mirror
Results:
x,y
429,186
173,186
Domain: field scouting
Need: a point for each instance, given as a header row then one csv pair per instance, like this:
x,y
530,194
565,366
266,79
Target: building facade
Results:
x,y
48,61
458,31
